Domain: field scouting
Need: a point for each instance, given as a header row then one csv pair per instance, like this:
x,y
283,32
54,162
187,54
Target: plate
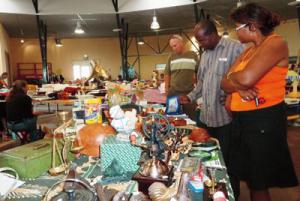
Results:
x,y
205,148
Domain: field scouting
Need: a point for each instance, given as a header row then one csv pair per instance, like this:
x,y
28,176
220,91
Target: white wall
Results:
x,y
290,31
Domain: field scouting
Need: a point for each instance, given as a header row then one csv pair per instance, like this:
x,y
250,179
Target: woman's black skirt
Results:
x,y
259,150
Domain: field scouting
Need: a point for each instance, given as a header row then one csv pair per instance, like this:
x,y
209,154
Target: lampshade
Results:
x,y
154,24
78,29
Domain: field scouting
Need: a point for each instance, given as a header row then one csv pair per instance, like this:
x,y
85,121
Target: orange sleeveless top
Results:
x,y
271,87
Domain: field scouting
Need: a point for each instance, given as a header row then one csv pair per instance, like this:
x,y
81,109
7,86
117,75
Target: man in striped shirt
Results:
x,y
180,72
219,55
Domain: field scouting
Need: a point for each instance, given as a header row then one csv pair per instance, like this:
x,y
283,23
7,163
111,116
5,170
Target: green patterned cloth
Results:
x,y
34,190
124,153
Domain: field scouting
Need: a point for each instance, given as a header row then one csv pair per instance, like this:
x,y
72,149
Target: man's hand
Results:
x,y
167,83
166,91
184,99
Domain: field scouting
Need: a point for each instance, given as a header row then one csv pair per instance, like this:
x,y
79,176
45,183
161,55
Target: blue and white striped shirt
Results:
x,y
213,65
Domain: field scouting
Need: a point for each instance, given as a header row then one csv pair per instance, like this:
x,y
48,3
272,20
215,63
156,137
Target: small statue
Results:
x,y
98,72
155,78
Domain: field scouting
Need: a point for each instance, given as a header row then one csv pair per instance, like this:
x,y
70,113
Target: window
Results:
x,y
81,70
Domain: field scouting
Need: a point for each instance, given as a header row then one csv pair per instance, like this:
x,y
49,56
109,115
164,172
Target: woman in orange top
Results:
x,y
255,85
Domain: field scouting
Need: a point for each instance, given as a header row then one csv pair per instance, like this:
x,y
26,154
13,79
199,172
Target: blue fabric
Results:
x,y
28,125
131,72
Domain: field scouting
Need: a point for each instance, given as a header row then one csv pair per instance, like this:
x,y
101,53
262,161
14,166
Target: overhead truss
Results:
x,y
42,30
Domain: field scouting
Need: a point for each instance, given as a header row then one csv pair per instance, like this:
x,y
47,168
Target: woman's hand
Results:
x,y
249,94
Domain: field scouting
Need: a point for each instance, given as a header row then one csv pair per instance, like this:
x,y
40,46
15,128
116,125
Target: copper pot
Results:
x,y
199,135
91,137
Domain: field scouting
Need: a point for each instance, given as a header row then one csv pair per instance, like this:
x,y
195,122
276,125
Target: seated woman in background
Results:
x,y
19,111
3,83
256,83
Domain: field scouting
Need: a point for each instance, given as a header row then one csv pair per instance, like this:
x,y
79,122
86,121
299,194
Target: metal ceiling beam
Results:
x,y
196,12
189,39
138,56
42,29
199,13
157,40
152,48
149,54
298,12
123,40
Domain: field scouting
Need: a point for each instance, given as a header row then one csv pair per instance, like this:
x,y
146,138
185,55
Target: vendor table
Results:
x,y
56,102
154,96
35,189
293,108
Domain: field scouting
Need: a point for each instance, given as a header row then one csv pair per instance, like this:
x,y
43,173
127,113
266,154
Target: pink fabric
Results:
x,y
154,96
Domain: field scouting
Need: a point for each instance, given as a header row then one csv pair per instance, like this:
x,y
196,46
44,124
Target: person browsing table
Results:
x,y
255,85
180,72
219,53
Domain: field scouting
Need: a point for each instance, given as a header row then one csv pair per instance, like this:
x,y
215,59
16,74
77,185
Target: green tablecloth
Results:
x,y
34,190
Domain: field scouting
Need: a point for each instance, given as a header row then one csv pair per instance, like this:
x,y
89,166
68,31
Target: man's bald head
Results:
x,y
206,34
177,44
207,27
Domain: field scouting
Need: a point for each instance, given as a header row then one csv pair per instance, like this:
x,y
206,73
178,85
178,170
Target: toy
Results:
x,y
155,79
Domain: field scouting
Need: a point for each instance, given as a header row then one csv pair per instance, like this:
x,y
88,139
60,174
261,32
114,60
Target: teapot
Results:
x,y
154,168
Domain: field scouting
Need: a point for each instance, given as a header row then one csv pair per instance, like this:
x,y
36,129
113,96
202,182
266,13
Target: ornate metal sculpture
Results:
x,y
98,72
162,140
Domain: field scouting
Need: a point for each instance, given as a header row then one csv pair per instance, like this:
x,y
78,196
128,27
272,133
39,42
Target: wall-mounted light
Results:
x,y
154,24
58,42
140,41
22,41
78,29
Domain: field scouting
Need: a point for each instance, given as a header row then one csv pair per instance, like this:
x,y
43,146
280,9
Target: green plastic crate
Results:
x,y
30,160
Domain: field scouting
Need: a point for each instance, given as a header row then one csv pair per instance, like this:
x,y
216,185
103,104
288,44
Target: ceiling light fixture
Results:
x,y
154,24
294,3
225,34
117,30
58,42
140,41
22,36
78,29
239,3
